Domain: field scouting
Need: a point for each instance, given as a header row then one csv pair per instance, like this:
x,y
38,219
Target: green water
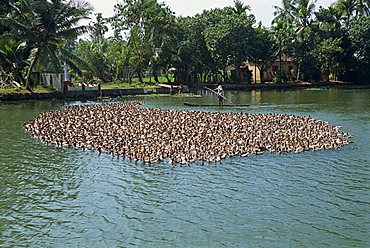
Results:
x,y
58,197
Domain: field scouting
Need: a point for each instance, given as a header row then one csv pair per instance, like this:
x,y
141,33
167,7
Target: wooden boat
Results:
x,y
168,86
215,105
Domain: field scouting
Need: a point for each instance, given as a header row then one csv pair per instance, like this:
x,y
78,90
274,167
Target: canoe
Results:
x,y
215,105
168,86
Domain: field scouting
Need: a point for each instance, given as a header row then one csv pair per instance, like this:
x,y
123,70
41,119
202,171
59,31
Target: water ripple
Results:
x,y
60,197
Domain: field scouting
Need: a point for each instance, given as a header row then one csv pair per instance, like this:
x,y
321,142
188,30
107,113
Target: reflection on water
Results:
x,y
53,196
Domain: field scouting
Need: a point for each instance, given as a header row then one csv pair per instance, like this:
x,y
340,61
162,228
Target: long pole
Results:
x,y
213,91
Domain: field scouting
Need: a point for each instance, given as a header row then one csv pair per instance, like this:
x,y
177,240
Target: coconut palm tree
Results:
x,y
240,8
363,7
351,8
346,8
47,26
297,12
296,15
284,13
303,11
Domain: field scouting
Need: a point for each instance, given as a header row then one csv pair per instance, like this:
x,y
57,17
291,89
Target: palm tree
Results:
x,y
12,55
284,13
363,7
346,8
240,8
351,8
282,27
47,26
295,15
303,10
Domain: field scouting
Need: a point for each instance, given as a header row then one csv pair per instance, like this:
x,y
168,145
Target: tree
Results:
x,y
284,33
192,59
346,8
284,13
46,27
240,8
264,51
116,54
359,34
12,61
327,53
229,38
363,7
96,62
98,28
332,49
298,14
146,22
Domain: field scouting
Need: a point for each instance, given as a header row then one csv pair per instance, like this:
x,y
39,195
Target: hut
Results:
x,y
283,69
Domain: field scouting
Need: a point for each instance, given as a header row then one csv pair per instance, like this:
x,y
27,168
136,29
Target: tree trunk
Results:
x,y
140,76
156,79
225,76
281,69
155,75
255,72
261,74
32,65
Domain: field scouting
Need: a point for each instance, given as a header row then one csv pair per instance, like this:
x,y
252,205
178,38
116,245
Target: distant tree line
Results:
x,y
148,39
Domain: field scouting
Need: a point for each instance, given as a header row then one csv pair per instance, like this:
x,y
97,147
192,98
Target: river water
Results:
x,y
59,197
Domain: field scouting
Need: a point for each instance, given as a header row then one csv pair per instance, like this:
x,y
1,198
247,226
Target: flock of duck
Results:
x,y
181,136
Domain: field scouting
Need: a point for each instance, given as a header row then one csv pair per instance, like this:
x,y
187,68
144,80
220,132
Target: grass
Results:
x,y
118,85
148,83
151,79
22,90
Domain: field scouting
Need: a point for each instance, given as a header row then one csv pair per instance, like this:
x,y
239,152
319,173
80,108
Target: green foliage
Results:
x,y
45,27
349,9
94,55
12,54
265,50
36,89
359,35
98,29
148,22
327,53
222,36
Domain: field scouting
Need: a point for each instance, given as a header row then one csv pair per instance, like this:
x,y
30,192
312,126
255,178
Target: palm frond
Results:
x,y
75,62
72,32
54,59
33,55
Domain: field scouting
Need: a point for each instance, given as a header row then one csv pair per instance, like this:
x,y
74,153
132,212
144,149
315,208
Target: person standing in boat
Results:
x,y
220,93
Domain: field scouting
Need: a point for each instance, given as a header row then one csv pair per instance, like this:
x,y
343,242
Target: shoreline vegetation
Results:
x,y
117,90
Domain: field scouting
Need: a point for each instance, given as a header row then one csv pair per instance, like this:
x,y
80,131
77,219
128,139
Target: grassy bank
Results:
x,y
134,85
23,90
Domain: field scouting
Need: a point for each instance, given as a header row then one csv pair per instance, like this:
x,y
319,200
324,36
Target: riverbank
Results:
x,y
89,94
282,86
96,94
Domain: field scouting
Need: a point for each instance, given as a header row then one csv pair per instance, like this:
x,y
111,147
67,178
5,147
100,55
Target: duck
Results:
x,y
151,135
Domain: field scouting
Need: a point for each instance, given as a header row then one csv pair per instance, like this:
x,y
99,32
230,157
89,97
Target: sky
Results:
x,y
262,9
